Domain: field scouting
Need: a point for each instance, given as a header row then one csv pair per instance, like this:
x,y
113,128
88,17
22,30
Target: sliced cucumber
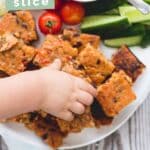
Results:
x,y
146,23
124,9
137,17
114,11
147,1
133,30
134,15
146,26
99,24
99,6
130,41
146,39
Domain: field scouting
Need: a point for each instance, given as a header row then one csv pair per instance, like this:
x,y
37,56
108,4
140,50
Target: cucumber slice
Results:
x,y
136,29
134,15
137,17
147,1
147,23
114,11
124,9
130,41
146,39
102,23
99,6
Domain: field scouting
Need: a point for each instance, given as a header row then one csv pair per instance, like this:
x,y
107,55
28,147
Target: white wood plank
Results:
x,y
140,127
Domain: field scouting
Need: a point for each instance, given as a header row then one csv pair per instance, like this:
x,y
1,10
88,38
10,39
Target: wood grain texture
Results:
x,y
134,135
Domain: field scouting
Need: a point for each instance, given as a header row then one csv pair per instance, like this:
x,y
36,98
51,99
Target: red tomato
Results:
x,y
72,13
50,22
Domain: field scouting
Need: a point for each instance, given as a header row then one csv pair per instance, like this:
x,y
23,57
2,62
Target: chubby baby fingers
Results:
x,y
83,85
66,115
77,108
84,97
56,65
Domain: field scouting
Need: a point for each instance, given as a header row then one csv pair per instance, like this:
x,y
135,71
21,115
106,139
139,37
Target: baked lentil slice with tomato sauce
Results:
x,y
116,93
48,129
14,56
45,127
125,60
99,116
53,47
21,24
80,40
96,65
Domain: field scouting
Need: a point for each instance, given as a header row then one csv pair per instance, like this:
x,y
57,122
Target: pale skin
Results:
x,y
49,89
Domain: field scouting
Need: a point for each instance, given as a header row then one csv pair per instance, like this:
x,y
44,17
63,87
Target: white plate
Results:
x,y
19,138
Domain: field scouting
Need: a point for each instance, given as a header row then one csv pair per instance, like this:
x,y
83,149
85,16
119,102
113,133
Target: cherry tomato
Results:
x,y
50,22
72,13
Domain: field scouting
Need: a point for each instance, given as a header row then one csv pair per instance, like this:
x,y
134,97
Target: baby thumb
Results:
x,y
56,65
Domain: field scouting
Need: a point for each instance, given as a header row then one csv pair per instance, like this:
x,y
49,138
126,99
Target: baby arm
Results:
x,y
19,94
53,91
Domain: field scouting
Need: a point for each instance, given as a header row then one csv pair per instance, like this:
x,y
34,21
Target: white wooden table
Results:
x,y
134,135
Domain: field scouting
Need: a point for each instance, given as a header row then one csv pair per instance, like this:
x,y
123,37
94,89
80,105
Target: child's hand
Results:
x,y
64,94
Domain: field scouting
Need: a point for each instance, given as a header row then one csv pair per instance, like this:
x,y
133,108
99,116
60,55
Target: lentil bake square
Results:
x,y
125,60
116,93
96,65
14,54
80,40
21,24
52,48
